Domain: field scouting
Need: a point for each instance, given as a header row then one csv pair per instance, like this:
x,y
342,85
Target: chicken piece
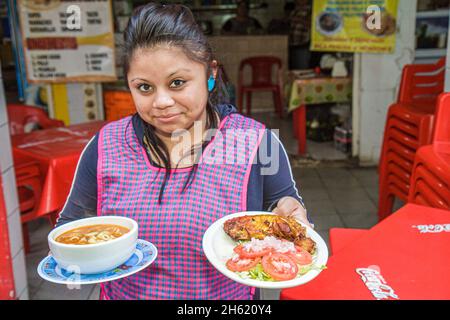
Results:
x,y
260,226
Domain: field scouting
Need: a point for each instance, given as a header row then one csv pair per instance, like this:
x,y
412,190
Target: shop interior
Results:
x,y
329,108
328,125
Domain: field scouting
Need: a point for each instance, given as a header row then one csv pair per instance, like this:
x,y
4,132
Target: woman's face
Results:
x,y
168,89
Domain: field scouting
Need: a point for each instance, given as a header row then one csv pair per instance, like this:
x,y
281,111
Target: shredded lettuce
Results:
x,y
258,273
302,270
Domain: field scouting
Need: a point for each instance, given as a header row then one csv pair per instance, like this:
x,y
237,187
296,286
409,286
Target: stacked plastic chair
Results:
x,y
430,181
409,126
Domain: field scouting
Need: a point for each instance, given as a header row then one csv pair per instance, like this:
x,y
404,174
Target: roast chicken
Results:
x,y
260,226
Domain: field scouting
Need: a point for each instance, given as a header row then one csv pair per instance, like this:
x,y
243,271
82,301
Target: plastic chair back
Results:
x,y
23,118
261,70
421,84
29,189
441,133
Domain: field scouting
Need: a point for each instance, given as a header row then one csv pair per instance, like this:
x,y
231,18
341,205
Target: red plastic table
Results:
x,y
57,150
342,237
406,256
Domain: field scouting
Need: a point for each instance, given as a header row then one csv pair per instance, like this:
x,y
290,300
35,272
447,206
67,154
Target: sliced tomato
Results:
x,y
300,256
279,266
238,264
244,253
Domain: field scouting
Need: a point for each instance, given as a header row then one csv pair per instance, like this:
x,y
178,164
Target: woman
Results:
x,y
164,166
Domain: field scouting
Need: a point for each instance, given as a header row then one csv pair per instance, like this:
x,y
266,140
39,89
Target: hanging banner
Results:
x,y
68,41
354,25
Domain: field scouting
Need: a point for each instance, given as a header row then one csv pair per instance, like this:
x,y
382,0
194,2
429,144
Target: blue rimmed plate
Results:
x,y
143,256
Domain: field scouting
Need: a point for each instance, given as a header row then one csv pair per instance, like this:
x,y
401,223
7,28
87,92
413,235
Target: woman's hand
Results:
x,y
291,207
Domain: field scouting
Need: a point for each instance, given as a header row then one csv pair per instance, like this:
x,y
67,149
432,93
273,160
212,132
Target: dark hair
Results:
x,y
289,6
246,2
157,24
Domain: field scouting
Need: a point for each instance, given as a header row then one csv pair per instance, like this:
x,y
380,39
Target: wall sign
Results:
x,y
68,41
354,26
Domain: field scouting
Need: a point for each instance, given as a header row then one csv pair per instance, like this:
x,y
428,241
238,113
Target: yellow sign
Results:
x,y
354,25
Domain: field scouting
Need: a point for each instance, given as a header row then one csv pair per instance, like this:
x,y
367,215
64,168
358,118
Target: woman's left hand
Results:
x,y
291,207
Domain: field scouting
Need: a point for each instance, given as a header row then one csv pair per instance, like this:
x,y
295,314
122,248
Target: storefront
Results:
x,y
111,100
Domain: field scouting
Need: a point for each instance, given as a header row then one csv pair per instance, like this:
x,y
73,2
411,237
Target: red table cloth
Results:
x,y
406,256
57,150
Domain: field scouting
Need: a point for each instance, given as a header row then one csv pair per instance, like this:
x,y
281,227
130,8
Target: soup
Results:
x,y
92,234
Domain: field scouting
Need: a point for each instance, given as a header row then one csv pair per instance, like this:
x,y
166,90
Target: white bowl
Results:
x,y
94,258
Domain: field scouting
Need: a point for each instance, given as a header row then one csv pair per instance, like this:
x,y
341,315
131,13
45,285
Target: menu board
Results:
x,y
68,41
354,26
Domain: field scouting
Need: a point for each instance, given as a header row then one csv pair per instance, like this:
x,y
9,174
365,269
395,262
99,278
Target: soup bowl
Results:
x,y
98,257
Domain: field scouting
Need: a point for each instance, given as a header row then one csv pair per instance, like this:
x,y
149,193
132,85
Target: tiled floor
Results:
x,y
336,194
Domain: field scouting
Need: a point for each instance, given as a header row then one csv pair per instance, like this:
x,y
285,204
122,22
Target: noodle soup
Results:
x,y
69,243
92,234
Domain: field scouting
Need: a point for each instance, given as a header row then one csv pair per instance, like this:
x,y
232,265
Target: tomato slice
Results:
x,y
300,256
238,264
248,254
279,266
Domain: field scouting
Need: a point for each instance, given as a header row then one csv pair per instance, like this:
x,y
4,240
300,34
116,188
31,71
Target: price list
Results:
x,y
68,41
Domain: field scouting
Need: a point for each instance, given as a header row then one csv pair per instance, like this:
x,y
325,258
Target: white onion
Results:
x,y
281,246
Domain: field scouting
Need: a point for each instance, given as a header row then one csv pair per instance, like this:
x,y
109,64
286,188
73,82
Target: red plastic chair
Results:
x,y
441,129
261,70
421,84
29,190
409,126
436,183
430,181
20,116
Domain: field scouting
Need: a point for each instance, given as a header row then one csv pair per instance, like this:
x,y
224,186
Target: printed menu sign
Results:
x,y
67,40
354,26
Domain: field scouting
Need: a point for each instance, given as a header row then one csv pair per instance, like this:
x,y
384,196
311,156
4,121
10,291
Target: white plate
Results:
x,y
143,256
218,248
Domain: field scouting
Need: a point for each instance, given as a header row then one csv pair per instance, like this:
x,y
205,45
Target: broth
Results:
x,y
92,234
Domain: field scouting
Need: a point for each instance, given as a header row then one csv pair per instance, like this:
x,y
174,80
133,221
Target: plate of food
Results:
x,y
264,250
386,28
95,250
329,23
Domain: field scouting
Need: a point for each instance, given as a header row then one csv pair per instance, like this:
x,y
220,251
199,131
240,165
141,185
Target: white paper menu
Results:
x,y
68,41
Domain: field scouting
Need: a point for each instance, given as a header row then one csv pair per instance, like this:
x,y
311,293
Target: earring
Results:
x,y
211,83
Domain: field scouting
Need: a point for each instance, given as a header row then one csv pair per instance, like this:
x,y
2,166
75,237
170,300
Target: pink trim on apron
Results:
x,y
247,174
100,191
99,169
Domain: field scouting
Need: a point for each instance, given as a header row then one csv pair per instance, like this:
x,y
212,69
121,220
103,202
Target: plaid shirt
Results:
x,y
300,21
